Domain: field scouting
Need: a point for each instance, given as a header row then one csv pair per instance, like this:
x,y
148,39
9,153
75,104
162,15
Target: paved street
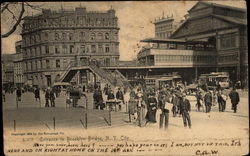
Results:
x,y
29,109
214,125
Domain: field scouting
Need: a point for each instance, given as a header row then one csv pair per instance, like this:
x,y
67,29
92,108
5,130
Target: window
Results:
x,y
56,36
71,49
46,36
64,49
107,48
100,49
106,36
82,49
57,63
93,48
92,36
57,50
82,35
34,38
100,36
36,65
228,41
70,36
40,64
63,36
47,49
47,64
65,62
116,36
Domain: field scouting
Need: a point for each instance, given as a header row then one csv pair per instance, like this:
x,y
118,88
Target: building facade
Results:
x,y
54,39
7,70
18,65
226,28
164,27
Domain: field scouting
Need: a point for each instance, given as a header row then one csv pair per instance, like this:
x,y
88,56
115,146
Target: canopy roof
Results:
x,y
173,41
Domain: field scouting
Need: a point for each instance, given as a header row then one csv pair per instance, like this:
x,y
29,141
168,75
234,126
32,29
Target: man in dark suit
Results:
x,y
208,101
235,99
185,109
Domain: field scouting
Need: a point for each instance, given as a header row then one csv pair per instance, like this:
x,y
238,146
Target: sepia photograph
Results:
x,y
125,78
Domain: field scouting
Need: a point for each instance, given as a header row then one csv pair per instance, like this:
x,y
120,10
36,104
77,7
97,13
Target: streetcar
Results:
x,y
214,79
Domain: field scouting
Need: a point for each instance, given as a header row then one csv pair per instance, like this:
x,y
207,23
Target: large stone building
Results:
x,y
53,39
226,28
165,26
18,65
212,38
7,70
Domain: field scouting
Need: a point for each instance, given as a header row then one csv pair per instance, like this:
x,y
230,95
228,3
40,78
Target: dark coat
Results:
x,y
208,98
52,95
119,95
151,107
234,96
111,96
185,105
37,93
47,95
98,96
18,92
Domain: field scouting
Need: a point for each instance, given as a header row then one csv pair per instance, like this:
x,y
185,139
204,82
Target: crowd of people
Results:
x,y
167,99
139,99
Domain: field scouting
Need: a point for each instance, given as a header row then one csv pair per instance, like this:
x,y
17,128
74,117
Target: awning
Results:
x,y
62,84
173,41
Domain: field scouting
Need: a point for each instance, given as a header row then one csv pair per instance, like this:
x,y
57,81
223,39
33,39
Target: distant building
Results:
x,y
18,65
7,70
226,28
164,27
212,38
54,39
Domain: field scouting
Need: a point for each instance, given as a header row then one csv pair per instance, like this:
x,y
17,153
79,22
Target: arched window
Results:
x,y
116,36
81,35
63,36
100,36
46,36
56,36
106,36
70,36
92,36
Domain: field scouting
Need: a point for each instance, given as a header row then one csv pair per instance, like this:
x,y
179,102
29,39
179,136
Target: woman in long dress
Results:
x,y
151,109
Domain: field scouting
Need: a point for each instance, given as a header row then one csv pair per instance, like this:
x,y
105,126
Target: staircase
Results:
x,y
113,78
68,74
122,78
103,74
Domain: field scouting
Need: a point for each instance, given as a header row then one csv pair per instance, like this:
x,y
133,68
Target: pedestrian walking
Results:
x,y
19,93
235,99
151,109
199,100
37,94
175,101
185,109
52,98
120,96
221,101
47,97
98,99
208,101
140,107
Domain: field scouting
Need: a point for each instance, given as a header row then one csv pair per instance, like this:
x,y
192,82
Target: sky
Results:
x,y
134,19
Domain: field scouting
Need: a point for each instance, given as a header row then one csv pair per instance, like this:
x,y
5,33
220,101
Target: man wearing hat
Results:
x,y
235,99
208,101
120,96
185,109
